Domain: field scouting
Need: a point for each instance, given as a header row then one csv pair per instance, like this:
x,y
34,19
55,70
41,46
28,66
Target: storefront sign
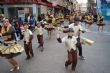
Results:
x,y
21,14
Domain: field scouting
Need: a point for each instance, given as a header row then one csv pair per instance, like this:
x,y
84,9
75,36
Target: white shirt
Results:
x,y
28,18
70,43
76,28
39,30
27,34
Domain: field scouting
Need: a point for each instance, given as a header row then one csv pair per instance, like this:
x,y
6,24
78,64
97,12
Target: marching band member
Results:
x,y
10,50
70,42
100,22
39,31
28,42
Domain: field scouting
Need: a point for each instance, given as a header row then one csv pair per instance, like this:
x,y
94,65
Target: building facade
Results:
x,y
21,8
103,7
91,6
83,7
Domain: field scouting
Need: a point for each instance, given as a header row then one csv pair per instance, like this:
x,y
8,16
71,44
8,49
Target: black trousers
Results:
x,y
79,46
40,40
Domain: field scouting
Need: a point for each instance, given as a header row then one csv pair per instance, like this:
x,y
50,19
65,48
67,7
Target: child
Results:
x,y
77,32
100,22
28,42
70,42
39,31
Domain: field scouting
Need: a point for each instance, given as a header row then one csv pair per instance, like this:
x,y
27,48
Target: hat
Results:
x,y
70,30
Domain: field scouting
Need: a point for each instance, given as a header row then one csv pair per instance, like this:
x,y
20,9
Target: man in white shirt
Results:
x,y
28,42
77,31
70,42
39,31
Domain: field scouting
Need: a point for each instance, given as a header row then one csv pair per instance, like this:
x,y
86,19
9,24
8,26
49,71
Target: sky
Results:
x,y
82,1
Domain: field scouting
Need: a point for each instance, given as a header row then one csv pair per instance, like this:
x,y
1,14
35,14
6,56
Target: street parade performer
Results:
x,y
28,36
49,27
77,31
70,42
90,20
100,22
9,48
39,31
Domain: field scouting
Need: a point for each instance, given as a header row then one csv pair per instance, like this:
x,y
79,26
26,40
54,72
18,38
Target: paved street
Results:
x,y
53,58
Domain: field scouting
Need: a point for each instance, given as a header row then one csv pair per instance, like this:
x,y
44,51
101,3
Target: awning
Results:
x,y
50,5
45,3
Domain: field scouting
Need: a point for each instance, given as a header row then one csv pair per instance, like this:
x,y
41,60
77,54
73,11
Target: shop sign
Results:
x,y
21,14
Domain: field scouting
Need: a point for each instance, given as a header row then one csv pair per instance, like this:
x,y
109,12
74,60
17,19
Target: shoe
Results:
x,y
42,49
66,66
13,69
39,46
17,68
32,55
82,58
28,58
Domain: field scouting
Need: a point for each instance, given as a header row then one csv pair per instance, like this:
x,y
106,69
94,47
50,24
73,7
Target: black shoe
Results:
x,y
39,46
66,65
33,55
42,49
28,58
82,58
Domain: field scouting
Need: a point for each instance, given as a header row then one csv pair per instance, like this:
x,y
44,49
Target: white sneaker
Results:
x,y
16,68
13,69
82,58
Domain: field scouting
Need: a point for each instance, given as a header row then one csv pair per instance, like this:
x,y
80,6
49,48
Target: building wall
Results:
x,y
12,10
103,9
83,7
